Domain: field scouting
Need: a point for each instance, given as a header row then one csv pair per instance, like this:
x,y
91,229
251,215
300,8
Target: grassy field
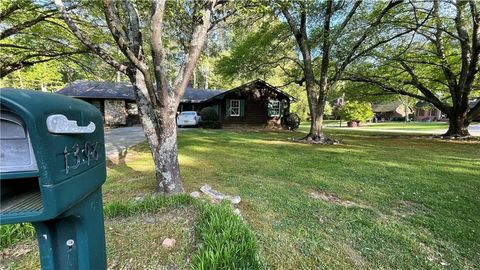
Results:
x,y
394,125
409,126
372,202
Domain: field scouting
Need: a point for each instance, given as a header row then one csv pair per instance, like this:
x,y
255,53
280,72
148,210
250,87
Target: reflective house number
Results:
x,y
87,152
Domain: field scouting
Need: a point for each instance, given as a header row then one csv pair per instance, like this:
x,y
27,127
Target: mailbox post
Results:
x,y
52,166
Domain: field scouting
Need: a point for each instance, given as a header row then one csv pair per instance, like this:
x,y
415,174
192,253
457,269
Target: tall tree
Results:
x,y
314,42
330,43
31,33
437,64
134,34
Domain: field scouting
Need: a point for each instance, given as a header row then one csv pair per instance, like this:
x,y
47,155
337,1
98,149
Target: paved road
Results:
x,y
474,130
118,139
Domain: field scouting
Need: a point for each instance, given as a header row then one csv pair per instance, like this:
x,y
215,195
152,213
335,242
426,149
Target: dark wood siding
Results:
x,y
255,111
256,108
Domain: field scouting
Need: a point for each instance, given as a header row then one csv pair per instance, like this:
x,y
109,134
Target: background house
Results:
x,y
116,101
425,111
390,111
256,103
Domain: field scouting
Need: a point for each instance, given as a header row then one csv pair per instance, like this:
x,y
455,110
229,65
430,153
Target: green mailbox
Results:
x,y
52,166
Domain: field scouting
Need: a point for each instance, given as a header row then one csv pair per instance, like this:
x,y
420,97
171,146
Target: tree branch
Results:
x,y
95,48
351,56
125,44
196,43
158,52
346,20
19,27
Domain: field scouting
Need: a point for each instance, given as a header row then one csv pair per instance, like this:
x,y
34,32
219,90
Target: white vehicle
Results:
x,y
188,118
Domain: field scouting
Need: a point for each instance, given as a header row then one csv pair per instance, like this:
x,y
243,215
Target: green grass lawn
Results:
x,y
416,200
369,203
409,126
391,125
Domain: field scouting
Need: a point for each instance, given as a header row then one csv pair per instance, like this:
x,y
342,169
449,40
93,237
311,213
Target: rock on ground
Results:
x,y
218,195
168,243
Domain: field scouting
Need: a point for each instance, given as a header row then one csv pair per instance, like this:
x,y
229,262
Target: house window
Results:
x,y
234,107
274,108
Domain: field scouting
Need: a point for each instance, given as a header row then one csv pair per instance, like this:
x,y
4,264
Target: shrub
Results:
x,y
291,121
398,119
209,118
209,114
355,111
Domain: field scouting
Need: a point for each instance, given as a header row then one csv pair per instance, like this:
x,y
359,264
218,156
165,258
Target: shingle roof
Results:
x,y
385,107
196,95
109,90
423,104
100,90
259,83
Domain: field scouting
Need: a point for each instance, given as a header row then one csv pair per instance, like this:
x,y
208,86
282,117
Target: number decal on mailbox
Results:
x,y
90,152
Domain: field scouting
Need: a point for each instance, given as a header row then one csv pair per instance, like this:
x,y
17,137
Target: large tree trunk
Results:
x,y
160,130
457,126
167,170
317,109
316,122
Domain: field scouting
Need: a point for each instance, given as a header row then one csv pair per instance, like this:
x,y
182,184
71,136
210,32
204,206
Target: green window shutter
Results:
x,y
242,107
215,107
282,104
227,107
270,108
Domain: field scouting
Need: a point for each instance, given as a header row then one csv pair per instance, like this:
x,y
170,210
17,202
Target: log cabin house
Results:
x,y
254,104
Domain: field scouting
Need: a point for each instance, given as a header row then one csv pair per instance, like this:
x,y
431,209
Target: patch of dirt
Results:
x,y
326,141
17,251
133,242
136,242
433,255
408,208
333,198
355,257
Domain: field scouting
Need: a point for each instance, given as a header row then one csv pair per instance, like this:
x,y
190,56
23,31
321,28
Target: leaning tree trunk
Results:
x,y
160,129
457,126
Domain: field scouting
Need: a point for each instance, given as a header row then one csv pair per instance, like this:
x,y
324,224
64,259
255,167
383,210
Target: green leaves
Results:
x,y
257,52
356,111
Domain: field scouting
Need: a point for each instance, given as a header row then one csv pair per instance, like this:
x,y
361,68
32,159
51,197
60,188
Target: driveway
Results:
x,y
474,129
118,139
